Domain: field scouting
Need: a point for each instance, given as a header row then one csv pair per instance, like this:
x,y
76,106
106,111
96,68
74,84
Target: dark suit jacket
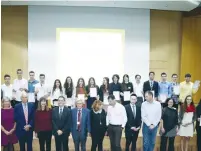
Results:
x,y
131,122
20,119
146,87
85,123
62,123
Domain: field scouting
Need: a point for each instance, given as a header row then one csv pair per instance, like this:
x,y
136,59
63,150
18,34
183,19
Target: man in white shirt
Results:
x,y
19,85
151,115
138,89
7,89
41,89
116,120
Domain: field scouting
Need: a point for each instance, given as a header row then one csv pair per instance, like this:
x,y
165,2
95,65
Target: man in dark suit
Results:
x,y
134,122
24,118
61,121
151,85
81,127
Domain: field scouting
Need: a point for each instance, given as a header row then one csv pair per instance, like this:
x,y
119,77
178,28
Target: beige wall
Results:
x,y
165,39
14,40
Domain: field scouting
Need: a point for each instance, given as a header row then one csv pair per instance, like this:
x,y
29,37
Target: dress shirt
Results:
x,y
43,90
31,86
7,91
165,89
138,89
56,94
134,108
61,109
175,97
186,89
17,84
78,112
151,112
151,83
116,115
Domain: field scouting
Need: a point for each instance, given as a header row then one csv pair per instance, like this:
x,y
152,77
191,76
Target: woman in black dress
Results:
x,y
98,125
198,127
169,126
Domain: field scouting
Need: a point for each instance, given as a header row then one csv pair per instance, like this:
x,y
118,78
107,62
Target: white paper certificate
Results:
x,y
196,84
105,100
176,90
31,97
81,97
93,92
116,95
127,95
163,98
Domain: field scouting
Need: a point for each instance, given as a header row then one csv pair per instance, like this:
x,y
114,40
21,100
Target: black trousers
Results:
x,y
164,143
27,138
61,142
45,138
131,138
115,132
80,141
97,141
198,129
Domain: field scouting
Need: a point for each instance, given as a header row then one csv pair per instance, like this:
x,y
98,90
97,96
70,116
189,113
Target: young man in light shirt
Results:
x,y
138,89
151,115
7,89
19,85
116,120
186,88
31,86
175,90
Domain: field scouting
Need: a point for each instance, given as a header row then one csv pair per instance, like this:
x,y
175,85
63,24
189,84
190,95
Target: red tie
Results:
x,y
79,120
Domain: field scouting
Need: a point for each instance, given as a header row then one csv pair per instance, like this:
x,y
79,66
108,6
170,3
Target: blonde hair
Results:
x,y
5,99
96,105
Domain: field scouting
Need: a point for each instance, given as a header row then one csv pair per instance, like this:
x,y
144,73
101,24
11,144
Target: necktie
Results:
x,y
151,84
60,112
26,113
133,111
79,121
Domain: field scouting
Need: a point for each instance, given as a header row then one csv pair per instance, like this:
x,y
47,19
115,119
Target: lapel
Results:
x,y
131,112
75,114
83,114
29,109
22,112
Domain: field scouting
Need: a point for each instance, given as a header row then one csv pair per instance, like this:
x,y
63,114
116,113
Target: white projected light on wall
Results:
x,y
89,53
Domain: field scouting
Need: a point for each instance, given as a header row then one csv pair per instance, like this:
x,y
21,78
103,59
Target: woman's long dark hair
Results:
x,y
106,87
89,84
54,87
125,75
78,85
185,103
68,87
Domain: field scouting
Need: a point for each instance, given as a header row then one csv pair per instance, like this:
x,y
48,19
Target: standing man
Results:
x,y
186,88
175,90
116,120
24,118
138,89
151,85
151,115
81,126
61,122
7,89
19,85
165,90
133,124
31,86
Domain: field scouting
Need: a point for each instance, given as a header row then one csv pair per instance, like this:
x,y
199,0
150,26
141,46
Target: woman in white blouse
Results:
x,y
57,91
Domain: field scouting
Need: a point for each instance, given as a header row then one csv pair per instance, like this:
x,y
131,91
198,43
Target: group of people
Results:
x,y
29,106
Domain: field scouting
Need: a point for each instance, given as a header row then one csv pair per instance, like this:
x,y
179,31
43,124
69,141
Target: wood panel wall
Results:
x,y
191,50
165,41
14,40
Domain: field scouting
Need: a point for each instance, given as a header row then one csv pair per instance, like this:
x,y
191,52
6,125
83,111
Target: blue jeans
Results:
x,y
149,137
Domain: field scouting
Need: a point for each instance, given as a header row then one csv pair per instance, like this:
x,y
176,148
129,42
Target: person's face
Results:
x,y
126,79
133,99
24,98
189,100
92,82
32,76
42,79
151,76
138,78
7,80
164,77
115,79
19,74
61,102
170,103
79,105
6,104
104,81
148,97
101,106
81,82
43,103
57,83
174,78
112,102
68,80
188,79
